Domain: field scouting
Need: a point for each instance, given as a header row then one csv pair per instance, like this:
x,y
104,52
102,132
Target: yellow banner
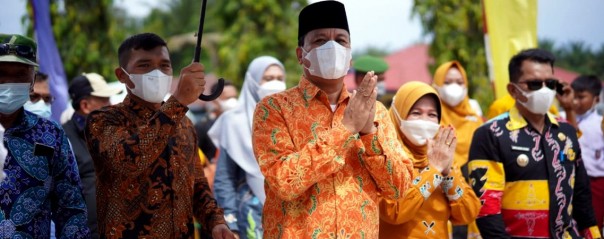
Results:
x,y
511,26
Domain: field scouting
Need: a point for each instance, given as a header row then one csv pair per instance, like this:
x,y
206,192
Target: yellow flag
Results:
x,y
511,26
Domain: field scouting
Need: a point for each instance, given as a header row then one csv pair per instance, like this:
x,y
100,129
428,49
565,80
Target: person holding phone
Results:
x,y
526,166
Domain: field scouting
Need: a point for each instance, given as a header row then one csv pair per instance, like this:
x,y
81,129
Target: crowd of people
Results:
x,y
311,161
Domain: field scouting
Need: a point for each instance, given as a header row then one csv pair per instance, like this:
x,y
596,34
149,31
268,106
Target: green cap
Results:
x,y
17,48
370,63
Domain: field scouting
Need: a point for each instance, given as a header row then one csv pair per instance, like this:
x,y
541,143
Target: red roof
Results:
x,y
411,64
565,75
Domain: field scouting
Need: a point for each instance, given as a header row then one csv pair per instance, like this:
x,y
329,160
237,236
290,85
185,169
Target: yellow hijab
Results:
x,y
462,117
403,101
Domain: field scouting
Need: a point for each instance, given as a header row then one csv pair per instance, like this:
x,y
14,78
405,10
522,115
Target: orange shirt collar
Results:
x,y
310,90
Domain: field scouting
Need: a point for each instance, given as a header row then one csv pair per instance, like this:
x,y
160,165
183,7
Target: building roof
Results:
x,y
411,64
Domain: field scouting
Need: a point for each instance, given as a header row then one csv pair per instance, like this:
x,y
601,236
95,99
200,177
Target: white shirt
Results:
x,y
592,144
475,106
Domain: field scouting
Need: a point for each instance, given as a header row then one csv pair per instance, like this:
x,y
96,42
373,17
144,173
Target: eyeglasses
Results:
x,y
35,97
534,85
18,50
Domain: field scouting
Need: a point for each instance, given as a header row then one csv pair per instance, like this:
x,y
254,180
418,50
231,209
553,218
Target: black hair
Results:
x,y
146,41
75,103
40,77
589,83
226,83
535,55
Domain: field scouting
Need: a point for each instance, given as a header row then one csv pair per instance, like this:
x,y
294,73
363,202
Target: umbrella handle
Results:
x,y
214,95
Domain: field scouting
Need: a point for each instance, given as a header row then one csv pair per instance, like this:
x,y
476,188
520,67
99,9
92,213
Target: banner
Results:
x,y
48,57
510,26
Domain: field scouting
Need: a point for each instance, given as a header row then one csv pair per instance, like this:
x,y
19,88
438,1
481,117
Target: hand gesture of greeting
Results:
x,y
441,149
360,111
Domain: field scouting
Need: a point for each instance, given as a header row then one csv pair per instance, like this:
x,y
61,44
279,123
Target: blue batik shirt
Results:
x,y
42,182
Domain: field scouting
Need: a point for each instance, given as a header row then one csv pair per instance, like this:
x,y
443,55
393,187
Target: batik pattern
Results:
x,y
321,180
531,184
424,211
41,184
150,181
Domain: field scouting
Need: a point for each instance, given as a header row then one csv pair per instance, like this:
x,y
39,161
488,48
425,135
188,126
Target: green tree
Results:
x,y
251,28
577,56
456,28
178,23
599,62
235,32
373,51
548,45
88,34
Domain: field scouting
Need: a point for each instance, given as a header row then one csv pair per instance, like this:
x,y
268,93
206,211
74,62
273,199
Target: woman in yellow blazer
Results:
x,y
439,192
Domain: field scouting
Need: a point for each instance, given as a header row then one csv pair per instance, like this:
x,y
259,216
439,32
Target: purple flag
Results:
x,y
48,57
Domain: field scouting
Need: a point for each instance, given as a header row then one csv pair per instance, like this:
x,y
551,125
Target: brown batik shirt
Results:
x,y
150,182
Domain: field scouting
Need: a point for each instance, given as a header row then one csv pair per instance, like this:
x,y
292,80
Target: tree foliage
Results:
x,y
456,29
178,23
372,51
88,34
235,32
251,28
577,56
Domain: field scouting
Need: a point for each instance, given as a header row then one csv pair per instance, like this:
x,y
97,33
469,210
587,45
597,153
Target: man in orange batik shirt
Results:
x,y
326,154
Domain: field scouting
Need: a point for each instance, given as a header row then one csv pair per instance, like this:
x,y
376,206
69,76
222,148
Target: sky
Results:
x,y
387,24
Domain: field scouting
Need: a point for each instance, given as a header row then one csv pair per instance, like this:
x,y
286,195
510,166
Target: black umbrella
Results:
x,y
220,82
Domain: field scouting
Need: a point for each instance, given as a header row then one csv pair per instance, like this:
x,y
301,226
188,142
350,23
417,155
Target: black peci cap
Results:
x,y
325,14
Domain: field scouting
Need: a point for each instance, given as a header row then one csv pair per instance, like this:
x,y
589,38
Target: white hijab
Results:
x,y
232,131
3,154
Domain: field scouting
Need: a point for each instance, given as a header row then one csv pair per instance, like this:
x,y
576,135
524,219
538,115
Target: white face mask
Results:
x,y
152,86
452,94
417,131
381,88
330,61
228,104
539,101
40,108
13,96
269,88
